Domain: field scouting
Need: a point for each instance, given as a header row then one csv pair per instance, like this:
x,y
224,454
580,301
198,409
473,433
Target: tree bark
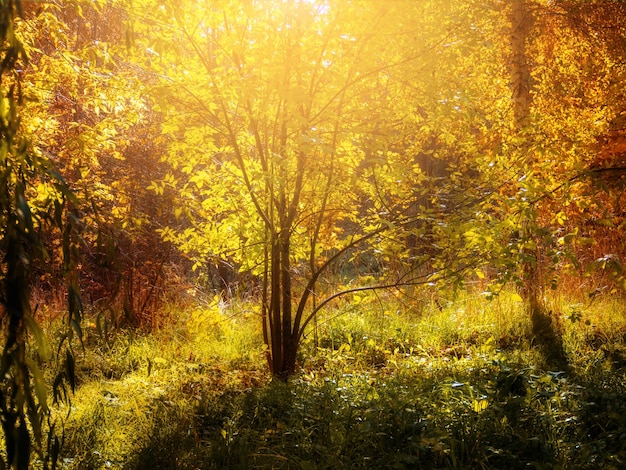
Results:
x,y
275,309
521,22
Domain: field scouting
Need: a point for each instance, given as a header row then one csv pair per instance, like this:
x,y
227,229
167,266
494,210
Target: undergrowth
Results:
x,y
456,385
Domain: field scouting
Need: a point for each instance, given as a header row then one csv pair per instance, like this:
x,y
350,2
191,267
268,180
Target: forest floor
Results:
x,y
446,384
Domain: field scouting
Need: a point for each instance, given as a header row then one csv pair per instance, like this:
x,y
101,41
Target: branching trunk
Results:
x,y
281,340
289,349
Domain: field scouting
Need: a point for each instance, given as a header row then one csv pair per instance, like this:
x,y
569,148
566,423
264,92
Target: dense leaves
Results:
x,y
299,152
406,143
29,179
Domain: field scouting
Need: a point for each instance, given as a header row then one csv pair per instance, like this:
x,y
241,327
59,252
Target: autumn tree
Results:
x,y
86,108
29,179
592,87
303,132
570,106
522,18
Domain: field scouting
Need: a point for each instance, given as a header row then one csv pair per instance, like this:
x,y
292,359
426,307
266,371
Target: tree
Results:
x,y
574,105
563,102
23,172
297,136
593,87
87,113
521,26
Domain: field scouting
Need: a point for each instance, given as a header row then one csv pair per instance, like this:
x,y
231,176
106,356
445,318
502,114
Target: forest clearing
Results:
x,y
311,234
465,386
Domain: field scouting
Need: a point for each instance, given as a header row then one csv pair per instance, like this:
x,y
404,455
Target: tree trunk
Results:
x,y
521,21
289,343
282,341
276,343
543,327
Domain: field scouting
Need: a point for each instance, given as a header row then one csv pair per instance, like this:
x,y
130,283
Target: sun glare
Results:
x,y
322,6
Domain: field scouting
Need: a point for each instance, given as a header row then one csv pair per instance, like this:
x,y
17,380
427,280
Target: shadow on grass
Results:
x,y
486,413
548,339
350,424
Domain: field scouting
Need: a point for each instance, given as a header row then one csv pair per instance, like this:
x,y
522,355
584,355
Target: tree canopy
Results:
x,y
311,149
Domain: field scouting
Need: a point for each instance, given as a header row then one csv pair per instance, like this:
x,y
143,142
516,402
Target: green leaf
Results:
x,y
70,369
41,391
43,346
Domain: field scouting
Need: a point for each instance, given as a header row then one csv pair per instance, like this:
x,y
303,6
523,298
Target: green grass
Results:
x,y
458,384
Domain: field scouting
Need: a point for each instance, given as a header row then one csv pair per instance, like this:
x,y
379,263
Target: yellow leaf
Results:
x,y
480,405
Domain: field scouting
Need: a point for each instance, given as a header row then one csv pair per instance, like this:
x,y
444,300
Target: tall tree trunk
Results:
x,y
288,340
278,329
521,22
544,331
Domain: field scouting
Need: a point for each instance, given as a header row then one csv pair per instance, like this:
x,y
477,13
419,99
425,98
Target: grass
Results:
x,y
459,384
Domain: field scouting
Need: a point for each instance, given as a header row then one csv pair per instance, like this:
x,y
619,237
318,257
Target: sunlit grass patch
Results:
x,y
458,384
108,421
372,336
135,389
229,333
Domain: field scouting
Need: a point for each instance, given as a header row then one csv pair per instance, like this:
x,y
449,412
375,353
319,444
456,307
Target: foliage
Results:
x,y
280,170
388,144
313,152
29,178
85,110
